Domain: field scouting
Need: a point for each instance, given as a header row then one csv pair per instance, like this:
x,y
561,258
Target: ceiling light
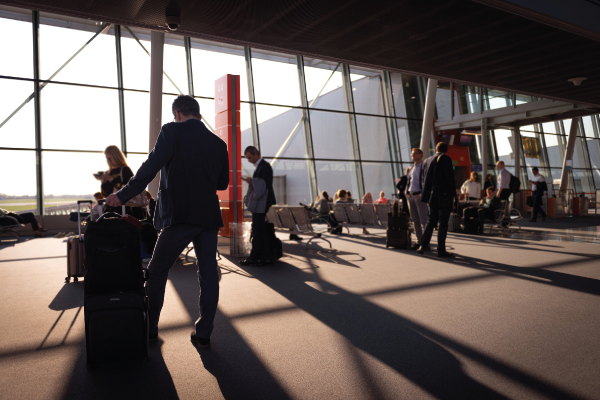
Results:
x,y
577,81
412,98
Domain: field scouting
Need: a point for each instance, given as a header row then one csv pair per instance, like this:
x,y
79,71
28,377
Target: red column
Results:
x,y
227,127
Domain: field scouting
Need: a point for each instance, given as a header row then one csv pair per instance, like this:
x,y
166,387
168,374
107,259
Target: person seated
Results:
x,y
25,218
98,196
342,196
349,198
471,189
367,199
488,205
381,199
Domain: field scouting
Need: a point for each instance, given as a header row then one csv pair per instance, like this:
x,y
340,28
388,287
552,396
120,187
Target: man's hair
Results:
x,y
535,169
98,196
252,150
500,162
407,169
489,188
381,194
348,194
442,147
417,150
342,193
186,105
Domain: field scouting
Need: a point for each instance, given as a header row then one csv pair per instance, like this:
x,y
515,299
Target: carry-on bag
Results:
x,y
75,249
116,326
398,238
113,262
454,223
276,245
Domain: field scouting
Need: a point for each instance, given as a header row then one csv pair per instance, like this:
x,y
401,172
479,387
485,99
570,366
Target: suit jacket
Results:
x,y
193,164
439,175
264,171
409,177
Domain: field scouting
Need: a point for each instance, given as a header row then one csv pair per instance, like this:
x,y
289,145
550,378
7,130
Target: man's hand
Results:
x,y
113,200
245,179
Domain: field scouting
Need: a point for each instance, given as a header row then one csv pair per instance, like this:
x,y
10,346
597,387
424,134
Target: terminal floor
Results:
x,y
510,317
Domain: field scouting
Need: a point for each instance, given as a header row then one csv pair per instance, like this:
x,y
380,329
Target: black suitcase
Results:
x,y
398,221
116,326
454,222
113,257
398,238
276,245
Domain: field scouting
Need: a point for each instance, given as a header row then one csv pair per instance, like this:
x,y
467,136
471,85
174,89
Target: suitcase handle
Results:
x,y
108,215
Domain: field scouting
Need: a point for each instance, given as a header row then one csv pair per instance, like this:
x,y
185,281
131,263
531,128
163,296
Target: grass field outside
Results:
x,y
18,205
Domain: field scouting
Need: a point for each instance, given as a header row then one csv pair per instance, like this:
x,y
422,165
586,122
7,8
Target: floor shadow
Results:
x,y
239,372
403,345
138,379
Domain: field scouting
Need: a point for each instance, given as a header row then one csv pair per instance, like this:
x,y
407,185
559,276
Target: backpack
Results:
x,y
515,184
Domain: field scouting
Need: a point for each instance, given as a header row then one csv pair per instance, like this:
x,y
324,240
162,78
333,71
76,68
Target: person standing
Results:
x,y
503,181
489,182
471,189
538,187
414,189
438,192
193,164
261,246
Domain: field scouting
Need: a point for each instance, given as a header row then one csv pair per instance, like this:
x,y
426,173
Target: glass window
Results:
x,y
95,64
62,169
367,90
412,97
90,122
291,182
332,138
135,58
588,127
335,175
275,78
583,181
549,127
373,138
281,131
580,155
175,65
18,129
505,145
468,99
378,178
246,126
404,138
21,185
494,98
554,149
593,146
135,161
19,47
137,118
398,94
443,101
211,61
532,150
324,84
525,98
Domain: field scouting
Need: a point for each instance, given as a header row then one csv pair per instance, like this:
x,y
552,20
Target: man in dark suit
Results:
x,y
261,246
193,164
439,191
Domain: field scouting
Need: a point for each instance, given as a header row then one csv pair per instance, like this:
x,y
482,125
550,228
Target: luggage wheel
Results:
x,y
67,279
75,279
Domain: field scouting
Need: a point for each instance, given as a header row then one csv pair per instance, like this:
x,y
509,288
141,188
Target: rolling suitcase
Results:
x,y
116,326
276,245
454,223
398,238
76,251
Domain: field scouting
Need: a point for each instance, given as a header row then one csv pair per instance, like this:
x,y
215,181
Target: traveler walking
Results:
x,y
193,164
439,191
538,187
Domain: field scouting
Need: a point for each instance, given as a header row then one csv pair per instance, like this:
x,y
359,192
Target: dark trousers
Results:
x,y
261,246
537,204
171,242
26,218
441,215
505,194
483,213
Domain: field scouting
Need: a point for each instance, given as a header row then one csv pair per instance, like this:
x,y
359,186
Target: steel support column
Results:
x,y
188,58
392,129
484,150
120,86
353,130
564,177
156,84
253,120
35,23
312,172
517,151
428,117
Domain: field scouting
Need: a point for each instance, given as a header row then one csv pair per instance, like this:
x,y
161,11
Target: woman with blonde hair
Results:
x,y
367,199
118,173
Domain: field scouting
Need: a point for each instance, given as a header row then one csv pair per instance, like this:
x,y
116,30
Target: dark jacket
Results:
x,y
440,175
193,164
264,171
401,185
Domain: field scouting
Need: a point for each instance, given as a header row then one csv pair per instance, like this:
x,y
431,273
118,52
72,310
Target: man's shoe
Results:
x,y
39,235
200,342
248,261
295,237
534,220
544,218
421,250
415,246
153,338
445,255
265,262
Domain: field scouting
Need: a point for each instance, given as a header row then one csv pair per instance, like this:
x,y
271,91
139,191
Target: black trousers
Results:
x,y
441,215
537,204
505,194
261,246
26,218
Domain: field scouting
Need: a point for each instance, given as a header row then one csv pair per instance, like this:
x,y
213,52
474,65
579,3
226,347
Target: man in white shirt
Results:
x,y
538,187
503,181
419,212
